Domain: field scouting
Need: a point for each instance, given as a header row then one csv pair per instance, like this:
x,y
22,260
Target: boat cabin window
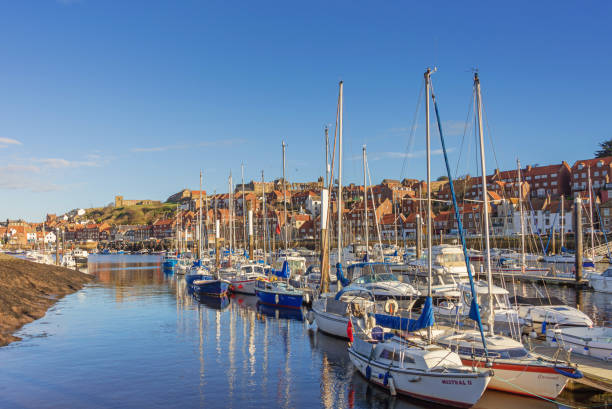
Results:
x,y
395,356
607,273
450,259
248,269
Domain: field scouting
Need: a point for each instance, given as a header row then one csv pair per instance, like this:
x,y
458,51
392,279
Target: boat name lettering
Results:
x,y
456,382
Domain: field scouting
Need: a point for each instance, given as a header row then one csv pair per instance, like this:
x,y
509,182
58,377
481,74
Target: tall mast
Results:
x,y
231,231
485,204
244,214
206,227
326,155
285,200
200,220
562,221
365,203
428,144
591,215
340,174
263,195
520,190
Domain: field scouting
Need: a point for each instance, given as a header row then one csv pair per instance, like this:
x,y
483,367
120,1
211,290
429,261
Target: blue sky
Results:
x,y
100,98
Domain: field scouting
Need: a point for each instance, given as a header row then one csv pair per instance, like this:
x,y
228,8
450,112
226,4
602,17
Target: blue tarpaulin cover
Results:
x,y
426,319
343,280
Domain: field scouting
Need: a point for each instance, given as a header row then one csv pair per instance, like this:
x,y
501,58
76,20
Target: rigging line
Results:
x,y
484,111
410,143
466,129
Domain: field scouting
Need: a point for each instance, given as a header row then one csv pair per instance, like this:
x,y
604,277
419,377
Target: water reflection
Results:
x,y
163,348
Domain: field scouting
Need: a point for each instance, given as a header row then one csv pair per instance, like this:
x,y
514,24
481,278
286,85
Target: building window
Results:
x,y
553,175
596,173
599,164
581,166
553,183
583,175
545,184
606,212
575,185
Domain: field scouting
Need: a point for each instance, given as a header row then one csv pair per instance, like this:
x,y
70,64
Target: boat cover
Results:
x,y
426,319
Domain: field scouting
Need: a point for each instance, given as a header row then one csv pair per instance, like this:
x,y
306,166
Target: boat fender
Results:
x,y
368,372
276,299
575,375
386,378
544,327
392,386
310,317
391,306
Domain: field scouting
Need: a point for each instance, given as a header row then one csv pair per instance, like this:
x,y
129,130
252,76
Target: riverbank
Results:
x,y
28,289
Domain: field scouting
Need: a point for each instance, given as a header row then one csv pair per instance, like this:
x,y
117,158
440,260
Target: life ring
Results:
x,y
391,306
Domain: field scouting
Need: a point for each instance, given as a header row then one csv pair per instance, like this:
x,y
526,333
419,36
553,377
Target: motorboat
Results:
x,y
595,342
601,282
245,280
278,293
378,278
503,311
549,311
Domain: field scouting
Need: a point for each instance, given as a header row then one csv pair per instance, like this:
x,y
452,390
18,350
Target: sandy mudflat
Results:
x,y
28,289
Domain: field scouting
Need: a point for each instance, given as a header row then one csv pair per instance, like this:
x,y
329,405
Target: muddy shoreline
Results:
x,y
28,290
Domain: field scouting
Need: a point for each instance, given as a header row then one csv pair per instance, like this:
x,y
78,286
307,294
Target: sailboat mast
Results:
x,y
200,220
244,213
562,221
429,221
365,203
231,231
263,196
340,108
520,190
285,201
428,144
591,215
485,205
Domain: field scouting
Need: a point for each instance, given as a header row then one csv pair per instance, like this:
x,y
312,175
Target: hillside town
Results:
x,y
547,193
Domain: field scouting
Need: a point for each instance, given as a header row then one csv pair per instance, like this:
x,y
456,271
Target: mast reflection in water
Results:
x,y
136,338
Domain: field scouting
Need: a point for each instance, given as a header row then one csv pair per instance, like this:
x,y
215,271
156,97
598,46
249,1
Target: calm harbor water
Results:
x,y
135,339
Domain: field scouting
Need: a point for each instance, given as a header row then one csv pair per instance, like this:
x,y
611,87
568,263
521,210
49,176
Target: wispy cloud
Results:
x,y
220,142
19,177
5,142
58,163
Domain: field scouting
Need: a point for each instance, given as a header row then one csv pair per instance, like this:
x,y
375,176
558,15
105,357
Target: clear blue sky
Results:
x,y
99,98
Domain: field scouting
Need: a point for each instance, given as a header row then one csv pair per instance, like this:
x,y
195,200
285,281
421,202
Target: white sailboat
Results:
x,y
420,370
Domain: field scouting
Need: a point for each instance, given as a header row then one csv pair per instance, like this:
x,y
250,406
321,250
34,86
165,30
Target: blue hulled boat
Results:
x,y
202,284
169,261
278,294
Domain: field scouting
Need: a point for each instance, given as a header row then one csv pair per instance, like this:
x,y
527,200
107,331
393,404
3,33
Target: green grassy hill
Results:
x,y
140,214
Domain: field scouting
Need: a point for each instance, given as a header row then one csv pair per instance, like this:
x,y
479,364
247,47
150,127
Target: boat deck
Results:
x,y
597,372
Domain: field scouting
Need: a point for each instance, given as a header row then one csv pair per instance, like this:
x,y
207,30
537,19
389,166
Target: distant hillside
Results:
x,y
138,214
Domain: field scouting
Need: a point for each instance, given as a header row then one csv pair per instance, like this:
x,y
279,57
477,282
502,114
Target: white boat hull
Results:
x,y
459,391
244,286
332,324
522,379
601,283
594,342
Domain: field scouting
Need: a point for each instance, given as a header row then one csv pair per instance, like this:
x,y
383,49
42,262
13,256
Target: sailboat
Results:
x,y
421,370
516,370
277,291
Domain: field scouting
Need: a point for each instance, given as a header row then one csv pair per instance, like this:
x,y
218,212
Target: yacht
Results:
x,y
378,278
601,282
